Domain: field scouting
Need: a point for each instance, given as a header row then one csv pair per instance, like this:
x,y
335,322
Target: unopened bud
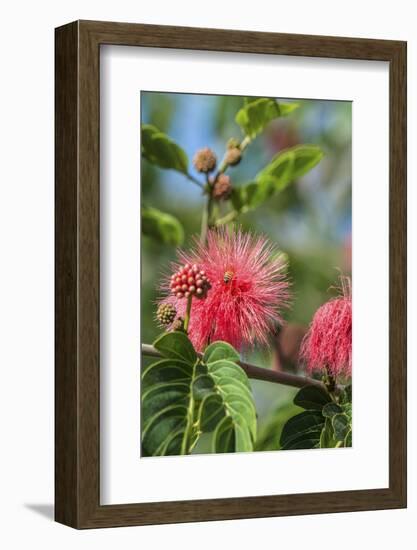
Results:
x,y
166,314
222,187
205,160
233,156
178,325
232,143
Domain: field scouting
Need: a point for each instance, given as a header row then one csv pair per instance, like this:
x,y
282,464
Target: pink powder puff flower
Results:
x,y
248,288
327,346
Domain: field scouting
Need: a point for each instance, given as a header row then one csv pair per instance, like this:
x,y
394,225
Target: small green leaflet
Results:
x,y
291,164
256,114
312,398
161,226
285,168
160,149
324,423
303,431
176,345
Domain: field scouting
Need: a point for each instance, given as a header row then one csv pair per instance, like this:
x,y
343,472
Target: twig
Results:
x,y
194,180
258,373
188,312
205,219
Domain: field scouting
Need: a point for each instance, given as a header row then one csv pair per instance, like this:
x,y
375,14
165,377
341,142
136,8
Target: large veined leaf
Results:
x,y
166,397
312,398
184,395
226,400
303,431
161,226
257,113
160,149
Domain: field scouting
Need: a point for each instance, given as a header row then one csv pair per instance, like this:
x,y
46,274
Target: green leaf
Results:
x,y
184,396
347,409
165,414
331,409
238,198
302,431
230,397
290,165
165,371
251,195
167,402
227,395
251,99
254,116
220,350
255,193
324,424
269,433
160,149
346,396
211,412
176,345
341,426
312,398
224,440
348,439
327,439
162,226
285,168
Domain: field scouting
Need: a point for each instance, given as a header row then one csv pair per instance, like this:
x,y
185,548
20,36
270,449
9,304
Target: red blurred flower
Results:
x,y
248,289
327,345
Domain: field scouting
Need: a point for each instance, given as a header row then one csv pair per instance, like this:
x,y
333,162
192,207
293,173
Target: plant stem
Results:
x,y
204,223
245,143
186,442
194,180
258,373
206,218
188,312
222,169
330,384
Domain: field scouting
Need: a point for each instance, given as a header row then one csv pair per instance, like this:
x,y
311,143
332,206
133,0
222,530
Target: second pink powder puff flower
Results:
x,y
327,347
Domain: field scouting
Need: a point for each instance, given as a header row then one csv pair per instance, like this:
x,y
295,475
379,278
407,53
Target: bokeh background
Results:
x,y
310,220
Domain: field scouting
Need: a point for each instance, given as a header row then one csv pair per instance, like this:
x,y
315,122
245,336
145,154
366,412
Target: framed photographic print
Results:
x,y
230,274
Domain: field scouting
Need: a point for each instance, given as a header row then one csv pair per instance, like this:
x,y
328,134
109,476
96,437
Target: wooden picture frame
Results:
x,y
77,374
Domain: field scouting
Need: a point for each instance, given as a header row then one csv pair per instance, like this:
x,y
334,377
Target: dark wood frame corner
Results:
x,y
77,373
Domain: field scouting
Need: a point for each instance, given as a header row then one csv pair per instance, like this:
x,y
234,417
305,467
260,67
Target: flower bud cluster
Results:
x,y
166,314
190,280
